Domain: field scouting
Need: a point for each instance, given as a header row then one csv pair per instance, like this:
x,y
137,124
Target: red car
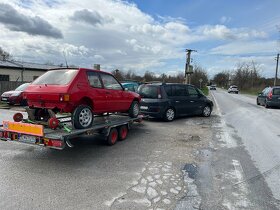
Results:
x,y
82,92
15,96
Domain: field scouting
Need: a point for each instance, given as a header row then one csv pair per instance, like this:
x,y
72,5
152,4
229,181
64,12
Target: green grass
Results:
x,y
205,90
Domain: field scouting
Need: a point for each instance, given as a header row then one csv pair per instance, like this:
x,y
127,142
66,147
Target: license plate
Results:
x,y
27,139
144,107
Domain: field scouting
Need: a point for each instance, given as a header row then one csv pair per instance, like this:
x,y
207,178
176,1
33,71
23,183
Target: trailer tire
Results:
x,y
82,117
123,131
112,137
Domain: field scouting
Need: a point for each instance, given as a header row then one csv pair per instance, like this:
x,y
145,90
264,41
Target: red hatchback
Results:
x,y
82,92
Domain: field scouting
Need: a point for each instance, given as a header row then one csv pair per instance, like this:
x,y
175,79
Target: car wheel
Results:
x,y
258,103
82,117
206,112
265,104
169,115
134,109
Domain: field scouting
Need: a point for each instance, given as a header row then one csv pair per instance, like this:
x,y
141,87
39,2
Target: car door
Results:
x,y
179,98
194,103
97,93
117,99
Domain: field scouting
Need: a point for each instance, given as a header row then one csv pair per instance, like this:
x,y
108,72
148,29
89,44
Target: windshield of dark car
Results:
x,y
148,91
56,77
22,87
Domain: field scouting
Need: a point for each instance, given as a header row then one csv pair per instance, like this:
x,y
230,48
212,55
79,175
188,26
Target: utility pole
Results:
x,y
188,67
277,60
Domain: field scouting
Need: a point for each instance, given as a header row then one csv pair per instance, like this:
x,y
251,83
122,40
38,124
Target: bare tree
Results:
x,y
4,55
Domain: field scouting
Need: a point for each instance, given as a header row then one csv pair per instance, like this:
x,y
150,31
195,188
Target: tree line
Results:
x,y
199,74
246,76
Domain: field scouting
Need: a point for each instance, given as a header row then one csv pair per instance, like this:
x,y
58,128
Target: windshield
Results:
x,y
22,87
56,77
148,91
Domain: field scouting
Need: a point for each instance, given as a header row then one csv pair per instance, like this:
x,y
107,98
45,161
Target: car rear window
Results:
x,y
56,77
148,91
276,91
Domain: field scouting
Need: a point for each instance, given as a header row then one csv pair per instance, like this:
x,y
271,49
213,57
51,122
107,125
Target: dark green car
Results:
x,y
269,97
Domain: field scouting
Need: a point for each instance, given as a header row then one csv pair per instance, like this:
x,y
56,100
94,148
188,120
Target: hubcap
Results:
x,y
170,114
85,117
136,109
206,111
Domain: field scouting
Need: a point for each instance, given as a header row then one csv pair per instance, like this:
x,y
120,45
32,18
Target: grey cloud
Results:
x,y
90,17
16,21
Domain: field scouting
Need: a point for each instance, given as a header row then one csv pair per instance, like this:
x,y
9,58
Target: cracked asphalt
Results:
x,y
143,172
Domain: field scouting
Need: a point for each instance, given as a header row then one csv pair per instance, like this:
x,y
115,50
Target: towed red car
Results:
x,y
82,92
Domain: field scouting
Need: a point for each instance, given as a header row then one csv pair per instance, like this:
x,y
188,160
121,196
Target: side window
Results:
x,y
168,90
94,80
179,90
192,92
110,82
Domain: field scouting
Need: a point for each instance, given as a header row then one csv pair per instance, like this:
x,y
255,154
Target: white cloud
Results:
x,y
116,34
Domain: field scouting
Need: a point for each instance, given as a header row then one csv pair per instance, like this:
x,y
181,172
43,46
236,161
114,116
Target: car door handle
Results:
x,y
191,101
177,101
108,93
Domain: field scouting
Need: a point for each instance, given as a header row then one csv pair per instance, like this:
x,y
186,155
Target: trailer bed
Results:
x,y
60,137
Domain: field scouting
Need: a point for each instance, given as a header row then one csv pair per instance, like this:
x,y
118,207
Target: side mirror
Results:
x,y
259,94
125,89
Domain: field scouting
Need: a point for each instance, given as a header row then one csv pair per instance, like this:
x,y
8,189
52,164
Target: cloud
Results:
x,y
223,32
16,21
243,48
90,17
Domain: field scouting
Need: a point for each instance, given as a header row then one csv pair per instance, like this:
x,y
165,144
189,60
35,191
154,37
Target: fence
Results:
x,y
8,85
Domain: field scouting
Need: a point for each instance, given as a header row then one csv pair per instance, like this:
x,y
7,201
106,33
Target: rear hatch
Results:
x,y
50,86
275,95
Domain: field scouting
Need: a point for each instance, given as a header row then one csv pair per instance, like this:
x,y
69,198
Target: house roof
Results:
x,y
26,65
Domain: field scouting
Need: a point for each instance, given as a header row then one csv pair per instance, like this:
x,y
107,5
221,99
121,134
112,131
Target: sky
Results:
x,y
143,35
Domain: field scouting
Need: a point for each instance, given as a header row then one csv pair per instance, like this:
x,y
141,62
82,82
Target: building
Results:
x,y
22,71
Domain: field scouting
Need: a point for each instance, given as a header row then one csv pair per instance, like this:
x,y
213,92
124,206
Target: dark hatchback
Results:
x,y
168,101
269,97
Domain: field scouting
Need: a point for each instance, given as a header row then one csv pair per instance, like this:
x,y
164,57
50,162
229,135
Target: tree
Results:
x,y
4,55
222,79
199,74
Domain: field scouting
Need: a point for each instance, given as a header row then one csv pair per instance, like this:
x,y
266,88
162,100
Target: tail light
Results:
x,y
270,95
64,97
159,92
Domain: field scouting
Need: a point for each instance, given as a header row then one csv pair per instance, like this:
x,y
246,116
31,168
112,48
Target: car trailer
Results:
x,y
57,134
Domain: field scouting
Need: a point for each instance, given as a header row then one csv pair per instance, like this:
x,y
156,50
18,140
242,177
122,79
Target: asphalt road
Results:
x,y
242,170
142,172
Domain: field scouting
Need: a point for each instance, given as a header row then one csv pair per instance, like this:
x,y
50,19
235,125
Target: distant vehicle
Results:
x,y
168,101
131,86
82,92
269,97
233,89
212,87
15,96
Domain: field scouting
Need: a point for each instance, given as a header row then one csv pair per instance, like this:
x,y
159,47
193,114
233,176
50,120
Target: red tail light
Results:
x,y
270,95
159,93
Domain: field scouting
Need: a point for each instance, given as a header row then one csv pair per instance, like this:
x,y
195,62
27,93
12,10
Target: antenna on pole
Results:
x,y
65,59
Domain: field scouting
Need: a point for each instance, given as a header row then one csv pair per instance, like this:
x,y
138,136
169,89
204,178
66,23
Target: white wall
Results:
x,y
16,74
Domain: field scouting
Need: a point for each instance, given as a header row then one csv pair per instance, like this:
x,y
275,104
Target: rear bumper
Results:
x,y
156,111
62,106
273,103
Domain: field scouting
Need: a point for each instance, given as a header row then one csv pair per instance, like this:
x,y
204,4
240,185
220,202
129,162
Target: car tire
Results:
x,y
266,105
169,114
206,111
82,117
134,109
258,103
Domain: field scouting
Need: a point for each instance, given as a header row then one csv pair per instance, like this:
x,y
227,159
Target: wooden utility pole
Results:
x,y
275,79
188,67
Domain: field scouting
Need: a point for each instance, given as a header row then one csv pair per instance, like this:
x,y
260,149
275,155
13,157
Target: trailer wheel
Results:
x,y
123,131
113,137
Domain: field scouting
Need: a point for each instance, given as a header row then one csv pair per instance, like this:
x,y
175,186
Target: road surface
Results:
x,y
243,167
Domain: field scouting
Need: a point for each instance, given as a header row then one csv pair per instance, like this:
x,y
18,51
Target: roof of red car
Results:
x,y
81,69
